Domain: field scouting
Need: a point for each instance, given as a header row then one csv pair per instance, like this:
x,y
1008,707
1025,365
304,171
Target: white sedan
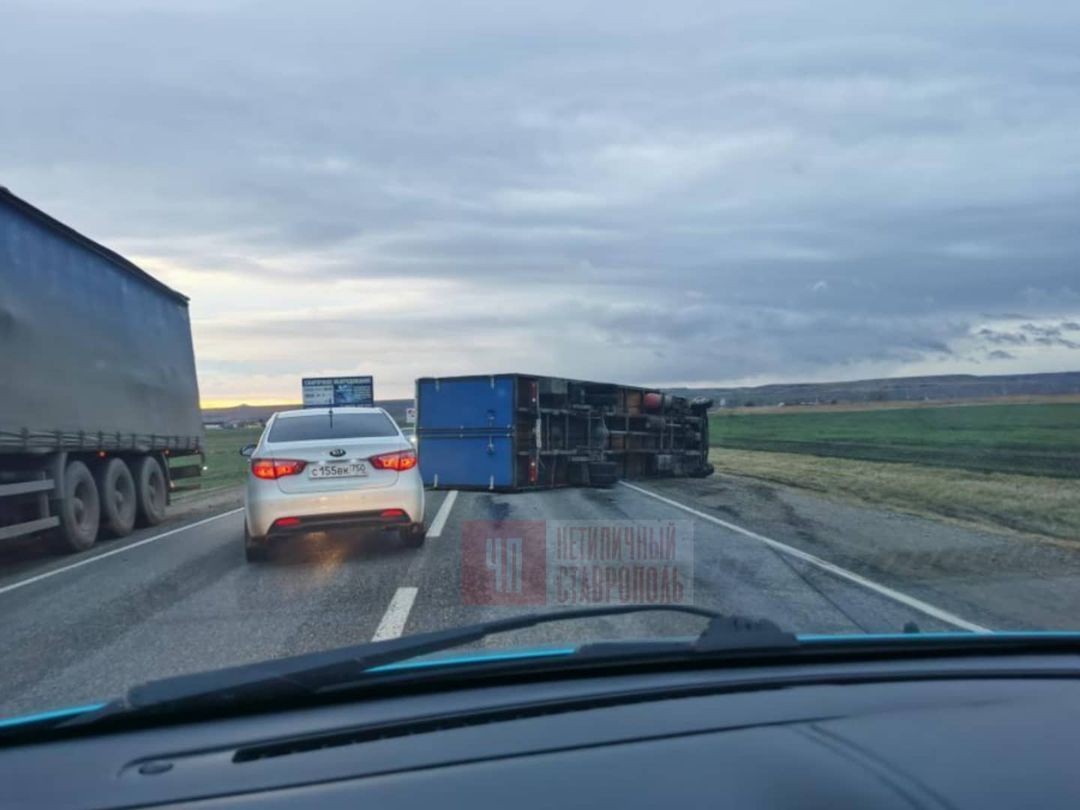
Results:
x,y
322,469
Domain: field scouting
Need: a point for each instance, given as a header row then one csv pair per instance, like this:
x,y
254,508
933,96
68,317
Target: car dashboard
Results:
x,y
986,731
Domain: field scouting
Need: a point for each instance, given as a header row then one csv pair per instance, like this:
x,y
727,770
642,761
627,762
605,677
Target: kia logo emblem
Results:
x,y
337,453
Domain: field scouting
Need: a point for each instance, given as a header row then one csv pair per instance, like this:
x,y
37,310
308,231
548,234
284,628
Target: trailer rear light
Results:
x,y
271,468
400,461
284,523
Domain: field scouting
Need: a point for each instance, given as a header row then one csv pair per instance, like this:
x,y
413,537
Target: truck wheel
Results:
x,y
116,489
80,509
150,491
603,473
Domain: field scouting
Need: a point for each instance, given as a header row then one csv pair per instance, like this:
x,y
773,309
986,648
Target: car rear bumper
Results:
x,y
326,511
338,522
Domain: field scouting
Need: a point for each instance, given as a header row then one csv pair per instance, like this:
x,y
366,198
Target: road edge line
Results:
x,y
883,590
79,563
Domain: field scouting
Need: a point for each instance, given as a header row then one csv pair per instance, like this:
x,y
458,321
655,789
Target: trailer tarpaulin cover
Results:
x,y
88,344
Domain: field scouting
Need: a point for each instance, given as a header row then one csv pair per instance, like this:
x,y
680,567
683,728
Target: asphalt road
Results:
x,y
180,598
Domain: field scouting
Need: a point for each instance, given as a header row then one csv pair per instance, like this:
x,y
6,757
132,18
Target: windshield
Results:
x,y
333,323
330,426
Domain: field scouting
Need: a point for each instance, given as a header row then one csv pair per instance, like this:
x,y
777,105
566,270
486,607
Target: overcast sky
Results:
x,y
654,193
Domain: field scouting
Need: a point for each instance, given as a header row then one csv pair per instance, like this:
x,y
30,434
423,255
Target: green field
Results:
x,y
225,466
1030,439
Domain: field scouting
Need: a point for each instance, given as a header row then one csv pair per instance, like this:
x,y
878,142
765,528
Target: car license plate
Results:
x,y
354,469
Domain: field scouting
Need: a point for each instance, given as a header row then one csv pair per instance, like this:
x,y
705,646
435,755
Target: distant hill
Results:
x,y
244,414
897,389
946,387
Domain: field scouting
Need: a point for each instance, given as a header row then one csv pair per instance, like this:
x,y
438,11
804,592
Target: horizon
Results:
x,y
205,405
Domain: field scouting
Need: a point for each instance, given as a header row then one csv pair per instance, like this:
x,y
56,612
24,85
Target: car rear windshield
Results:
x,y
327,426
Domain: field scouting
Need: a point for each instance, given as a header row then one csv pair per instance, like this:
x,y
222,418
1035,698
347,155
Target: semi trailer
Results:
x,y
522,431
99,410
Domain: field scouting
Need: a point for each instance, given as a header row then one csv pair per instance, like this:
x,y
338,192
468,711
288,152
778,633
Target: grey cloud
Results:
x,y
999,354
1011,338
1041,331
1028,334
742,190
664,341
1050,340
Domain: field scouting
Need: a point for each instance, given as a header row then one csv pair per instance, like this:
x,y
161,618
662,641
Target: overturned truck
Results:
x,y
521,431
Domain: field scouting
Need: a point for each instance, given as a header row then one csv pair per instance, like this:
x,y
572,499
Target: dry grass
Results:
x,y
1031,504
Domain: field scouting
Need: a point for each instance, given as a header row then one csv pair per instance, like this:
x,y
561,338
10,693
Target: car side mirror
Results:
x,y
247,450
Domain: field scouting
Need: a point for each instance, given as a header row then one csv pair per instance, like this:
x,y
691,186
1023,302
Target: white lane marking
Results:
x,y
89,560
843,573
397,613
436,527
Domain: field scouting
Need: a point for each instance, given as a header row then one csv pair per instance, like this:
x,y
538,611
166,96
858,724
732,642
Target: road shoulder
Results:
x,y
1036,507
998,579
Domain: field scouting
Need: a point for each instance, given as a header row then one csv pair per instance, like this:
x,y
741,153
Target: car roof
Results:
x,y
325,411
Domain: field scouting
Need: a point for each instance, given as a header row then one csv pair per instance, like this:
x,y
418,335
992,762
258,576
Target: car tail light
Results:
x,y
400,461
392,513
282,523
271,468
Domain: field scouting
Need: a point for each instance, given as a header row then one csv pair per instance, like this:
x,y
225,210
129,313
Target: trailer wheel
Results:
x,y
151,494
116,489
603,473
79,510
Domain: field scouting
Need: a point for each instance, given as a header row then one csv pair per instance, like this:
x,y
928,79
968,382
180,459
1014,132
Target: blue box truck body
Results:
x,y
521,431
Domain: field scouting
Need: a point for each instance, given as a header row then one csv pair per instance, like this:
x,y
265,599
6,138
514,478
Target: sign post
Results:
x,y
326,392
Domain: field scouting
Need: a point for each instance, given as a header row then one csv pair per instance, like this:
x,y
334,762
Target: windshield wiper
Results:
x,y
288,678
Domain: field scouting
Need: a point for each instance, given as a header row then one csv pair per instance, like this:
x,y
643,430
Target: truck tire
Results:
x,y
116,490
79,510
150,491
603,473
